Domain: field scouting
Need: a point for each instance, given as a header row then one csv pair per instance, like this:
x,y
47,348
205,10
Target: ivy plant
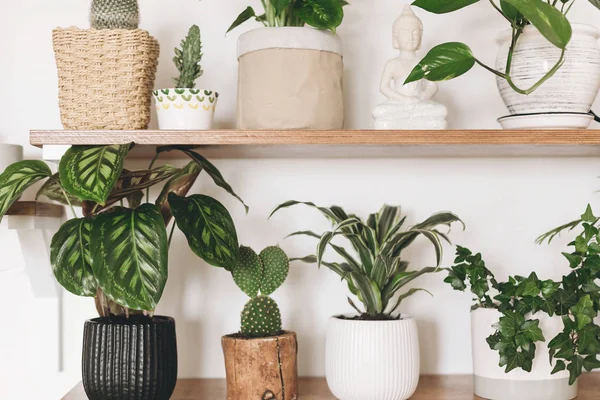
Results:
x,y
377,272
118,251
575,299
321,14
450,60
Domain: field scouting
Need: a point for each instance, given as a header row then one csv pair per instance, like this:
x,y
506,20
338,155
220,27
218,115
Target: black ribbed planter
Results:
x,y
129,360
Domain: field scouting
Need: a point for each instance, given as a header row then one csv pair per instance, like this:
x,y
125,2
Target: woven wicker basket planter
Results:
x,y
105,77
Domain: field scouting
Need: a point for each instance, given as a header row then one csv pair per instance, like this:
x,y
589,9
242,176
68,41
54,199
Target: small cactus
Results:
x,y
248,271
276,266
115,14
187,59
261,318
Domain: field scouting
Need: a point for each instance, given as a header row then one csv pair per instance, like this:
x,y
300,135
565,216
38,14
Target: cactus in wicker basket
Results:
x,y
115,14
259,275
187,60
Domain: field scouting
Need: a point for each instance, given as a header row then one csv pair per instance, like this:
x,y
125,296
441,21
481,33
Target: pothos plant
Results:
x,y
118,253
321,14
450,60
377,272
575,299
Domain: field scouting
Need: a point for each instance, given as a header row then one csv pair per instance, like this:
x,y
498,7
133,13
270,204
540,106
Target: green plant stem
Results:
x,y
493,71
539,83
569,9
68,201
516,33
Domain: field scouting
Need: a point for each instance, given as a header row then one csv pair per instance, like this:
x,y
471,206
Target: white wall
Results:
x,y
506,202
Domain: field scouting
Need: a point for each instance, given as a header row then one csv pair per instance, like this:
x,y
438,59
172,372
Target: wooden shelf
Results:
x,y
36,209
439,387
340,144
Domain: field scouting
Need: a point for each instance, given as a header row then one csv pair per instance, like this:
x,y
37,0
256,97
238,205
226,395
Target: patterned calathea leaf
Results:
x,y
130,255
208,227
70,257
91,172
180,184
53,190
17,178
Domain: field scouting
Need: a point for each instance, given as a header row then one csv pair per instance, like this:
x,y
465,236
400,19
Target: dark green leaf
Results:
x,y
70,257
17,178
531,330
180,184
442,6
574,259
590,363
130,255
575,368
280,5
588,340
511,12
132,182
369,293
91,172
208,227
549,287
584,311
560,366
53,190
443,62
245,15
321,14
548,20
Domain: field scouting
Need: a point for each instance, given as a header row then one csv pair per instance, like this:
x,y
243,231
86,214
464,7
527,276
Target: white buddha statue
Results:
x,y
408,106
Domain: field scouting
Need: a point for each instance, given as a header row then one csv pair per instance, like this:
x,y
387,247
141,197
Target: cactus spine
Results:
x,y
262,274
261,318
187,59
115,14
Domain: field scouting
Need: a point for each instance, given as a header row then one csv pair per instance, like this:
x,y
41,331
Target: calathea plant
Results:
x,y
379,272
116,253
321,14
575,299
450,60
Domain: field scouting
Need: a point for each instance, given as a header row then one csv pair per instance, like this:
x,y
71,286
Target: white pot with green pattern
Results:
x,y
185,109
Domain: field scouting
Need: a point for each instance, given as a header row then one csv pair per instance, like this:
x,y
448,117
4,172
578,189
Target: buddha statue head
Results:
x,y
408,31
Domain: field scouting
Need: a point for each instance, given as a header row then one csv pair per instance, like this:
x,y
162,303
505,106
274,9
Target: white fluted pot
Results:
x,y
573,87
372,360
491,382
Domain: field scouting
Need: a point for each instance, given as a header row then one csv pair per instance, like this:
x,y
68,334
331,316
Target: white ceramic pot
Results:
x,y
290,78
372,360
185,109
9,154
491,382
574,86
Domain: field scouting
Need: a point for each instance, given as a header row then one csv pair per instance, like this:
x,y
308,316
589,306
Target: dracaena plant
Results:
x,y
117,253
321,14
377,272
450,60
575,299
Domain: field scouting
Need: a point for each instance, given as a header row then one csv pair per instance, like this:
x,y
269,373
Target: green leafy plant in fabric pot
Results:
x,y
118,251
320,14
377,274
567,308
518,70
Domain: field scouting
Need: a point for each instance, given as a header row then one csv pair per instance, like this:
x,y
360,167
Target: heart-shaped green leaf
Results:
x,y
180,184
208,227
442,6
443,62
548,20
130,255
321,14
70,257
17,178
53,190
91,172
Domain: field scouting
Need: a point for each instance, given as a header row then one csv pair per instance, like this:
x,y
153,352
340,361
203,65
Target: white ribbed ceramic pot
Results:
x,y
372,360
491,382
574,86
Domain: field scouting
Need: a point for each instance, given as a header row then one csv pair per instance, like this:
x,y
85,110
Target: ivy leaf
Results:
x,y
584,311
592,263
560,366
549,287
588,215
531,330
574,259
587,340
581,244
590,363
575,368
509,323
514,361
443,62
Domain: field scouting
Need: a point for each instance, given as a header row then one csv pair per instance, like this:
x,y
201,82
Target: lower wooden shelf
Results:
x,y
431,387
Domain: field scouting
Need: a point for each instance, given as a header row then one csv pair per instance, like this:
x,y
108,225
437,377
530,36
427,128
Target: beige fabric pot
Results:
x,y
290,78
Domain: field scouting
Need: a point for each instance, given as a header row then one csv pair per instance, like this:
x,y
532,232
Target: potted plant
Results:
x,y
97,89
184,107
119,256
374,354
547,70
291,76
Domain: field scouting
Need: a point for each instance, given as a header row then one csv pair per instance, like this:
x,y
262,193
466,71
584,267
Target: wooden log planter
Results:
x,y
261,368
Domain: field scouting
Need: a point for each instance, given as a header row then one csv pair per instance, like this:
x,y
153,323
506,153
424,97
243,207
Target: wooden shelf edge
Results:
x,y
41,138
36,209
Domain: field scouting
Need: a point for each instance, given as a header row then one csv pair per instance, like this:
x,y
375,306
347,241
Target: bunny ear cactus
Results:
x,y
259,276
115,14
187,60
